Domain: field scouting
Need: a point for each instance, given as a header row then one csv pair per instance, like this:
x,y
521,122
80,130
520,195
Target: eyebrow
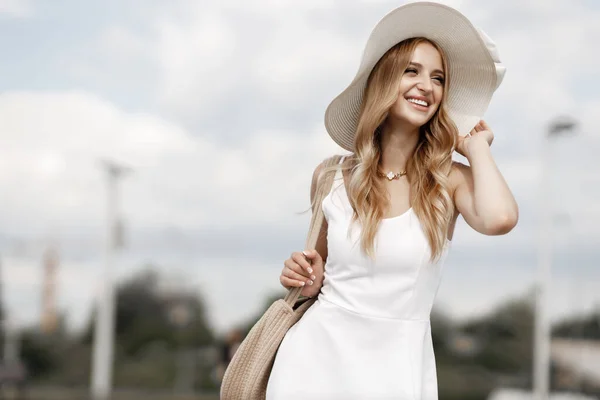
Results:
x,y
416,64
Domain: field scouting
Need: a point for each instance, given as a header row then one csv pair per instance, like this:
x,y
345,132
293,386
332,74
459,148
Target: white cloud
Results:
x,y
121,44
198,61
16,8
54,144
208,60
546,53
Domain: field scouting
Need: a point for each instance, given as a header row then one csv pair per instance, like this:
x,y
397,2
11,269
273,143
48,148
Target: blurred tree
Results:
x,y
141,317
43,353
441,331
145,315
38,354
2,320
581,327
505,337
153,325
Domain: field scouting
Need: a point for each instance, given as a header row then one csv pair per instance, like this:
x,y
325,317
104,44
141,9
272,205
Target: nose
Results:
x,y
424,84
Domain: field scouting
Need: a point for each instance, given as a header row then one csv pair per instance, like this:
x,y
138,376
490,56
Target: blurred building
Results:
x,y
463,344
519,394
49,317
576,364
575,373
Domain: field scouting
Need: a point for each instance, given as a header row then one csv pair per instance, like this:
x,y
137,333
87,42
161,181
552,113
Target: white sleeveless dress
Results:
x,y
368,335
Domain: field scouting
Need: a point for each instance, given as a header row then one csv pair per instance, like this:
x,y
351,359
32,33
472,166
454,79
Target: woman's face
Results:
x,y
421,87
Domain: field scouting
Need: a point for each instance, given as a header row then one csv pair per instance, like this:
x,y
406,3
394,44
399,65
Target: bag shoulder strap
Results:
x,y
324,184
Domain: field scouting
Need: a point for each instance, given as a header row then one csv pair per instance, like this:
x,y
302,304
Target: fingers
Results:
x,y
288,282
294,271
297,272
292,275
481,126
291,278
301,260
312,255
484,125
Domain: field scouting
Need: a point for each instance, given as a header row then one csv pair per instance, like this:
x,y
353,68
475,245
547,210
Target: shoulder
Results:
x,y
318,170
326,165
459,169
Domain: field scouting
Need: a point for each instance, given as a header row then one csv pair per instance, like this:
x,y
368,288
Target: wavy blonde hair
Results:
x,y
428,168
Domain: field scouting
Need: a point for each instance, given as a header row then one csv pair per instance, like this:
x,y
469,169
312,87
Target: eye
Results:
x,y
439,79
410,70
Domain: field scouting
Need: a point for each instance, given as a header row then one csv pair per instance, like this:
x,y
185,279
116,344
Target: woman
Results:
x,y
426,77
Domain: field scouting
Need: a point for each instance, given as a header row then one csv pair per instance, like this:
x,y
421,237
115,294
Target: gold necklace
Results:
x,y
391,175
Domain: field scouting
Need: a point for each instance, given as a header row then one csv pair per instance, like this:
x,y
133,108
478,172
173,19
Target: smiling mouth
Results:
x,y
418,104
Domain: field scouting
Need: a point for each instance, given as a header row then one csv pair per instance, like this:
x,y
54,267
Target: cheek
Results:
x,y
399,103
438,93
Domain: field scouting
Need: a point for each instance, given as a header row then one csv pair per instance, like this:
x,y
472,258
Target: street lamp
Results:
x,y
103,351
541,367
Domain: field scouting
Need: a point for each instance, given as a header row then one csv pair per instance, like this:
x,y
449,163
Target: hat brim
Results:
x,y
472,71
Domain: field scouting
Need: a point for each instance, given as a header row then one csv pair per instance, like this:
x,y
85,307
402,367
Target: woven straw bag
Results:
x,y
248,372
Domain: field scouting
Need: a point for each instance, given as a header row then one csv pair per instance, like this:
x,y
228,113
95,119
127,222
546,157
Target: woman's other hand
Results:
x,y
303,269
481,133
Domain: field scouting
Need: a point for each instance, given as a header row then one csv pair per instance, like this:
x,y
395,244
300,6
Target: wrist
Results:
x,y
476,145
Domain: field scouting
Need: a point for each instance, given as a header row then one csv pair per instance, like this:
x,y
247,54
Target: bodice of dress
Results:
x,y
399,283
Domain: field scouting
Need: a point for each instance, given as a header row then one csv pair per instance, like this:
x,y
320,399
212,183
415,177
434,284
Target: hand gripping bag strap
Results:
x,y
324,184
247,376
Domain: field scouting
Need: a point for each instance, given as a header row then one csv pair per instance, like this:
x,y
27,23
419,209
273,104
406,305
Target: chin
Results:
x,y
415,122
418,123
409,117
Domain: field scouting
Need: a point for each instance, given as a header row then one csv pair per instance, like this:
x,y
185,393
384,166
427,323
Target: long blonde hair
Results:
x,y
428,168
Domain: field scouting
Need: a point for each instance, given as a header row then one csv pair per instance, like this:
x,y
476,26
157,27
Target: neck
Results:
x,y
398,144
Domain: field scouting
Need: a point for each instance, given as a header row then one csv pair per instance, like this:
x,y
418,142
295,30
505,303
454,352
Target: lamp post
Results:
x,y
102,361
541,367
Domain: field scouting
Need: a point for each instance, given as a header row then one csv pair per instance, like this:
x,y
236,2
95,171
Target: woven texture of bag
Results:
x,y
248,372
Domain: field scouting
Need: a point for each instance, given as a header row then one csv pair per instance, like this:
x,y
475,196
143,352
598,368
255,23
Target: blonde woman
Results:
x,y
426,77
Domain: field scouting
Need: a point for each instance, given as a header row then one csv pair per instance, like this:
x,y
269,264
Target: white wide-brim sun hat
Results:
x,y
474,67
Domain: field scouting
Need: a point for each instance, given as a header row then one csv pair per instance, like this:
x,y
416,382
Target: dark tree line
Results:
x,y
154,327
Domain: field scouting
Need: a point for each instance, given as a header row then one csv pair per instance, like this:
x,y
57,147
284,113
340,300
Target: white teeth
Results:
x,y
419,102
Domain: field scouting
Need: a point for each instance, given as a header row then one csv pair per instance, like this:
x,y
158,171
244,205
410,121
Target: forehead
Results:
x,y
428,56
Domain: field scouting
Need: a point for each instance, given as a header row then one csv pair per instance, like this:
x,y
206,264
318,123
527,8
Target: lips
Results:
x,y
420,100
419,104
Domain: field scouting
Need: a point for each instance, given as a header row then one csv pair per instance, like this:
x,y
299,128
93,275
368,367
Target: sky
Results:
x,y
217,108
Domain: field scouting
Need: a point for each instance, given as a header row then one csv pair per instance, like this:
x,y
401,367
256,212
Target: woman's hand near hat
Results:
x,y
481,133
303,269
481,193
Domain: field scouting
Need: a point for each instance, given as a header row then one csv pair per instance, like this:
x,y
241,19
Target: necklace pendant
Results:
x,y
391,175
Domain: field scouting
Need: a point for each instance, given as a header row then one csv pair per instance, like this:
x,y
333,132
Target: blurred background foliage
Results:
x,y
164,342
